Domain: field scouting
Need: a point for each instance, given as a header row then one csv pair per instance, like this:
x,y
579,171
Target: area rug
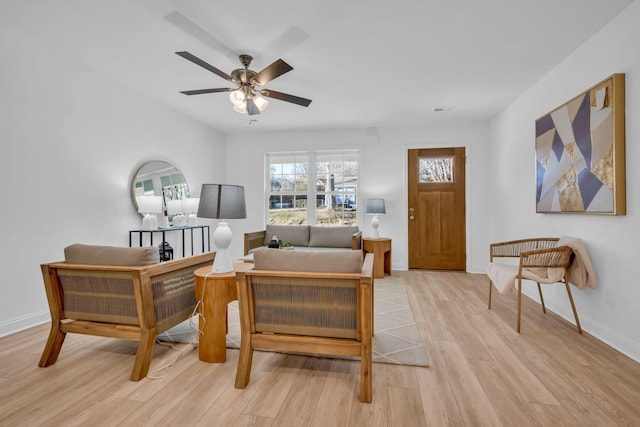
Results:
x,y
396,338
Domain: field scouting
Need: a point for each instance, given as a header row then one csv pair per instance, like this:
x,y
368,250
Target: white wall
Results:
x,y
71,142
611,312
383,173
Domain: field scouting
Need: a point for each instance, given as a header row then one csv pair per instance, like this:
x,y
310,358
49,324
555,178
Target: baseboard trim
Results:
x,y
12,326
597,330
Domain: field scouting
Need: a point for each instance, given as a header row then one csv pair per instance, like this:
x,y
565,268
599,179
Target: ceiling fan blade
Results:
x,y
285,97
196,31
286,41
252,108
201,91
274,70
200,62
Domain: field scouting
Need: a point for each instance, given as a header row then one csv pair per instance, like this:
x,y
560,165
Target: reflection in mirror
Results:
x,y
159,178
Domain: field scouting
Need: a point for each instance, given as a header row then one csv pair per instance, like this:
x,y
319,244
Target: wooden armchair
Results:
x,y
540,260
322,312
116,300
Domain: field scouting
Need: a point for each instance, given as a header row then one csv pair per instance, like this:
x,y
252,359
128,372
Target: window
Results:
x,y
313,188
436,169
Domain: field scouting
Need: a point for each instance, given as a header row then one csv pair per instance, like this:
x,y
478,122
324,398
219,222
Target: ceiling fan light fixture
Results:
x,y
236,97
260,102
241,108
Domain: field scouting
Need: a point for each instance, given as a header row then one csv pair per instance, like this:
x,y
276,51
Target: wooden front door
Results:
x,y
436,211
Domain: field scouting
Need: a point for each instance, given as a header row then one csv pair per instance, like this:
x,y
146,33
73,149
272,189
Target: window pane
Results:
x,y
288,209
287,183
329,178
436,169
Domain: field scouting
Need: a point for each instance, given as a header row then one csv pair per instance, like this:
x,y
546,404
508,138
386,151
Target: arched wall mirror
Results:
x,y
159,178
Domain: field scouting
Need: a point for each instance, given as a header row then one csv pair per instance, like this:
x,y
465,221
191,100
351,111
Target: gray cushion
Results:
x,y
331,237
111,255
297,235
292,260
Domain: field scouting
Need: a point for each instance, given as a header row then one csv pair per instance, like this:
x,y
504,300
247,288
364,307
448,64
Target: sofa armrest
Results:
x,y
356,240
254,240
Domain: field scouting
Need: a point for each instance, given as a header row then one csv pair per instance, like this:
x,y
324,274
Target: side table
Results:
x,y
216,291
381,249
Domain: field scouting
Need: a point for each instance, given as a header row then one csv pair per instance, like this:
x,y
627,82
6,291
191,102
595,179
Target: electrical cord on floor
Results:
x,y
194,323
196,315
153,374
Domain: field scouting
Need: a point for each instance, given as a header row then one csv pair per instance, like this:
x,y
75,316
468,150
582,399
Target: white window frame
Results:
x,y
312,192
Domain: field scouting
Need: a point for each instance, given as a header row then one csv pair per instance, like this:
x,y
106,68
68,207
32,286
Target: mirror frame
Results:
x,y
155,172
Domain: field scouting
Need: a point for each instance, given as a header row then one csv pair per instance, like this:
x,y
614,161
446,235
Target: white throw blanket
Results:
x,y
581,272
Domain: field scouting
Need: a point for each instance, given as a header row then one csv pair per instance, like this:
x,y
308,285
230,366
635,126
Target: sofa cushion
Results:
x,y
297,235
331,237
111,255
323,262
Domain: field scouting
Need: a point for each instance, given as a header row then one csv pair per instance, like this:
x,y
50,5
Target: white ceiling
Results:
x,y
364,63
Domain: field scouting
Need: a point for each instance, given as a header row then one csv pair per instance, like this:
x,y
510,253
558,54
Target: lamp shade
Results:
x,y
222,201
174,207
190,205
149,204
374,207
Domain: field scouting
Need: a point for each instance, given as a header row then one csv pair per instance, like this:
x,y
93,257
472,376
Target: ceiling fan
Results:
x,y
246,96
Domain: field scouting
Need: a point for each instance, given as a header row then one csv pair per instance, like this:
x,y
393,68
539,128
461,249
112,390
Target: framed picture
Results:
x,y
580,164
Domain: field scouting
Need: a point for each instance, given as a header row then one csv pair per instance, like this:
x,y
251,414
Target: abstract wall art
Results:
x,y
580,164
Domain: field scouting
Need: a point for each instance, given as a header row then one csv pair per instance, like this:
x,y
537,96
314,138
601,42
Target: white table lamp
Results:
x,y
375,207
223,202
190,208
149,206
174,210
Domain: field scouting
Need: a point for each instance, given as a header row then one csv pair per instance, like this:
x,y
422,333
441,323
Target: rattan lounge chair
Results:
x,y
289,307
95,292
540,260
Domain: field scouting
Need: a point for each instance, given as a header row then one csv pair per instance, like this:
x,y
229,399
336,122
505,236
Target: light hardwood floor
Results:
x,y
481,373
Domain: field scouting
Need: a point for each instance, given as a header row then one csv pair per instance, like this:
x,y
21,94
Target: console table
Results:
x,y
381,249
163,231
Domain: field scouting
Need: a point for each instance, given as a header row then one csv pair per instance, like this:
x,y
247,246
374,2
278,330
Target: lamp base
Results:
x,y
222,239
179,220
374,227
150,222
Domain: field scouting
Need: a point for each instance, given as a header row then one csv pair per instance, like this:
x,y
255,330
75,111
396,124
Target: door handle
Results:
x,y
411,218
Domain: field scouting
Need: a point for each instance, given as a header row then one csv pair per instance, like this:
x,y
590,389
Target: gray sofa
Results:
x,y
306,237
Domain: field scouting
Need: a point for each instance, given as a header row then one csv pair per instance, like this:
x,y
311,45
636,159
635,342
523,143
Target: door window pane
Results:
x,y
436,169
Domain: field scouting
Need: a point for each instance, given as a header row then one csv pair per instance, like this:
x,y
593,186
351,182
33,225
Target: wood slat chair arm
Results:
x,y
356,240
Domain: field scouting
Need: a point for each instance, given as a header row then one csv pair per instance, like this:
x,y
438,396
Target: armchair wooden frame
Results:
x,y
535,253
356,342
134,287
